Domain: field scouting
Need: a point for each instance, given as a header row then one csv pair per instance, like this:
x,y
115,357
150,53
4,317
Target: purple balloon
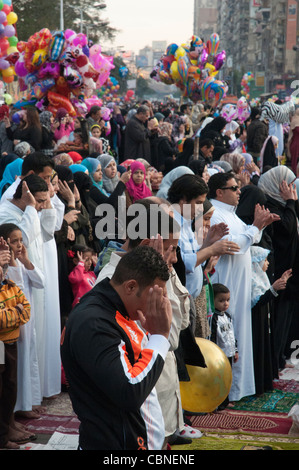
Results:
x,y
3,16
4,64
202,60
219,60
9,30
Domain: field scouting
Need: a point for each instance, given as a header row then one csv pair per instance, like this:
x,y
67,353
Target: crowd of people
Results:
x,y
111,313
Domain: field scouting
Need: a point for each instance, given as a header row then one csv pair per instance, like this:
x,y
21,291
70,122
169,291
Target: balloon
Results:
x,y
8,99
213,44
2,17
4,64
6,9
180,52
39,57
183,69
219,60
208,387
174,72
1,4
212,88
171,49
12,18
229,112
13,41
58,101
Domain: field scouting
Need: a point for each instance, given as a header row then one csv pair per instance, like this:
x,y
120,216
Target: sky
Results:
x,y
144,21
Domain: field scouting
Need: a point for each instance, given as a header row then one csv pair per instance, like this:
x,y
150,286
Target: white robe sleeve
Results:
x,y
48,220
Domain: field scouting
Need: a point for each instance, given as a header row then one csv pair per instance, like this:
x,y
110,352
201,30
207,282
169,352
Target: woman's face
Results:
x,y
77,124
138,177
242,167
96,132
182,128
205,174
206,220
16,242
98,174
111,170
55,184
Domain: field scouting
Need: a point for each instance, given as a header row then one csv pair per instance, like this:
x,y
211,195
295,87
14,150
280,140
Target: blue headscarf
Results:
x,y
92,165
75,168
12,170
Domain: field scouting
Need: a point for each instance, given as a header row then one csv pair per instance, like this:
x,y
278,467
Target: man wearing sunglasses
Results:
x,y
235,272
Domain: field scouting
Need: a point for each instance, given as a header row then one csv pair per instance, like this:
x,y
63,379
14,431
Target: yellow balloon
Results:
x,y
208,387
174,72
12,50
10,71
210,68
180,52
12,18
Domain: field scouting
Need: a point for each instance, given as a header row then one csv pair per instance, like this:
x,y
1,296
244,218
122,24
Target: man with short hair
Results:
x,y
110,363
206,149
235,272
187,195
138,134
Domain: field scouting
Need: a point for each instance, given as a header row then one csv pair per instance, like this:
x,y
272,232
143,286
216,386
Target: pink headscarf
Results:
x,y
139,191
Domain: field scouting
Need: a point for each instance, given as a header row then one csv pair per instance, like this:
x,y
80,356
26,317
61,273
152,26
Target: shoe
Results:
x,y
177,440
189,432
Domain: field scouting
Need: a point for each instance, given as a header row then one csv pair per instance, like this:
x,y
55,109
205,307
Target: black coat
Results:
x,y
137,140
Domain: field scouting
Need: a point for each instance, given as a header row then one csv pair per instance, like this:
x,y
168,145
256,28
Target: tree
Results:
x,y
33,15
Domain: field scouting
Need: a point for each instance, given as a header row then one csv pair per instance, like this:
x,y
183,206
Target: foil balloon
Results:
x,y
208,387
213,44
219,60
213,89
229,112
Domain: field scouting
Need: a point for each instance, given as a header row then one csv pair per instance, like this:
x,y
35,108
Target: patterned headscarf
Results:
x,y
236,160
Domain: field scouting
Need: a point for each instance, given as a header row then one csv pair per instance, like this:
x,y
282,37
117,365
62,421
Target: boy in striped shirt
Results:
x,y
14,312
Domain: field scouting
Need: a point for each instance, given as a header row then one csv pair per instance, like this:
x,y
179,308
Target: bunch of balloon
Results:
x,y
245,84
60,70
193,68
110,89
8,41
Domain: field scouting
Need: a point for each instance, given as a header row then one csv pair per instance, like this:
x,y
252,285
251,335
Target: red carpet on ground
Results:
x,y
48,424
244,422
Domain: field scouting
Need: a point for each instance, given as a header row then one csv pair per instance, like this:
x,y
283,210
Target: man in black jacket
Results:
x,y
111,364
257,133
138,134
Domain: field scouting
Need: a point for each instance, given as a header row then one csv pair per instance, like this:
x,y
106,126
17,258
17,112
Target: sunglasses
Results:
x,y
232,188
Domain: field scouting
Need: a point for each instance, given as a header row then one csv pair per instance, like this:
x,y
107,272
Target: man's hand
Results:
x,y
225,247
215,233
27,196
158,313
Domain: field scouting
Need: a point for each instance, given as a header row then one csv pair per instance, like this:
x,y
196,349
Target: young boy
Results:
x,y
222,329
14,311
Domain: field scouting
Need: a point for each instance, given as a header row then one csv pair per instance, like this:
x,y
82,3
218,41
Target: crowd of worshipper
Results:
x,y
238,276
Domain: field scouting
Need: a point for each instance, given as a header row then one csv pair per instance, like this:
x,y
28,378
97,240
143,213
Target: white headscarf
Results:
x,y
259,280
270,182
170,178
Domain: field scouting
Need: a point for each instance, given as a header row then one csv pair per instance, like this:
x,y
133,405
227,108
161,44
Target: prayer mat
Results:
x,y
243,422
230,442
48,424
287,385
276,401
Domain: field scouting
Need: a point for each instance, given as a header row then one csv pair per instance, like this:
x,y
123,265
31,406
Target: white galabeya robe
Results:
x,y
235,273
